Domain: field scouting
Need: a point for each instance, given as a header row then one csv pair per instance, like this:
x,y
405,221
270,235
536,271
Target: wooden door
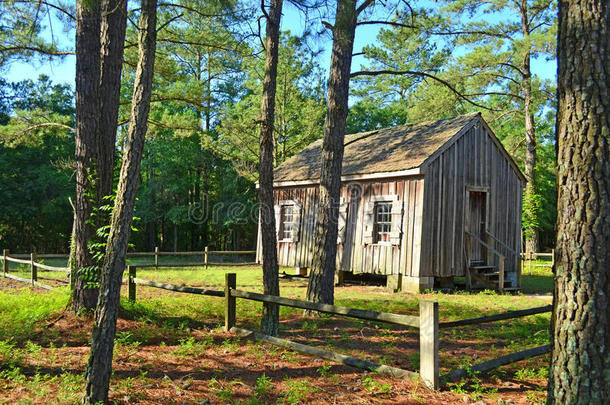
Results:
x,y
476,223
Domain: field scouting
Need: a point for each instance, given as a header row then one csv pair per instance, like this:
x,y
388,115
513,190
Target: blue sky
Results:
x,y
63,71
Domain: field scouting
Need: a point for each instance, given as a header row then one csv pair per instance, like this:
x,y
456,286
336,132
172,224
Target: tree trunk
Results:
x,y
99,368
271,284
530,140
88,17
321,280
101,41
113,25
580,361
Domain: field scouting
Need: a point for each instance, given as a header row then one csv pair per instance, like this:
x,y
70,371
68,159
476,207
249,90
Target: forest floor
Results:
x,y
171,349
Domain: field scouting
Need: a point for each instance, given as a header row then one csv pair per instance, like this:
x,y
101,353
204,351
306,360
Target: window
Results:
x,y
286,221
383,221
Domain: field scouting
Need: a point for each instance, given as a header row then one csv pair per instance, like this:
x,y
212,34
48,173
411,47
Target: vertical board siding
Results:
x,y
434,214
353,255
471,161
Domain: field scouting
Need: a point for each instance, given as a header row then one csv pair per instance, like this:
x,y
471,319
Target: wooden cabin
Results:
x,y
422,204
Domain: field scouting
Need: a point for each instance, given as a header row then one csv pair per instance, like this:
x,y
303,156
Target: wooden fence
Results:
x,y
34,266
427,322
531,257
206,254
31,260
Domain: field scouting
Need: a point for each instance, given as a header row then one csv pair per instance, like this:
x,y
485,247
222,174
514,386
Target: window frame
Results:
x,y
282,231
369,234
382,237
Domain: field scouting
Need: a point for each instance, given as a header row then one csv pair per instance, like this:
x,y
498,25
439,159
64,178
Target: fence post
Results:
x,y
156,257
131,270
531,257
230,283
428,344
5,253
205,257
34,269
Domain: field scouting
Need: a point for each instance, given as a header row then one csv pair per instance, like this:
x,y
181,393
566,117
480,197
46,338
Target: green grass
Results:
x,y
540,281
179,311
169,319
21,310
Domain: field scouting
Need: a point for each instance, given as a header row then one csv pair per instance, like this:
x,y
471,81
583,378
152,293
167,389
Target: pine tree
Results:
x,y
99,368
580,360
322,276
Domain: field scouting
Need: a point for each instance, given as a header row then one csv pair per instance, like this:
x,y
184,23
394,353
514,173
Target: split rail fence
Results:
x,y
427,322
35,266
531,257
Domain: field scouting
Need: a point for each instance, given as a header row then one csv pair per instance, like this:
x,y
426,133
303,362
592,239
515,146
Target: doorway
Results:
x,y
476,223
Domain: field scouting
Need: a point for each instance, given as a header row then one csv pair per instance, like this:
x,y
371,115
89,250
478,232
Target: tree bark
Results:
x,y
113,26
271,284
580,361
88,66
100,43
532,244
321,279
99,368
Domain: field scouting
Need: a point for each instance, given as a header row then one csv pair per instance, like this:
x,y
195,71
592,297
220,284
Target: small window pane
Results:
x,y
286,221
383,221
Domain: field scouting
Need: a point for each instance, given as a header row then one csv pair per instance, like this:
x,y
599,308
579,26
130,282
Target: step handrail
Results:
x,y
488,246
504,245
501,258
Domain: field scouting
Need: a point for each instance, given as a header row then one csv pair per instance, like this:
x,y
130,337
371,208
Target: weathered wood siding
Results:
x,y
353,255
474,160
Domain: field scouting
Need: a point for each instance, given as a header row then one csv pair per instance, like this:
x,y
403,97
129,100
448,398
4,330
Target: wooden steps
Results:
x,y
485,276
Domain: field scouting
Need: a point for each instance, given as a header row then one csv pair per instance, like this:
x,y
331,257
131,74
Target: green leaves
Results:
x,y
299,108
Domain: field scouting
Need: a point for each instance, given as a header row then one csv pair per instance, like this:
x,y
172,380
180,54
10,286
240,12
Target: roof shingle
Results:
x,y
383,150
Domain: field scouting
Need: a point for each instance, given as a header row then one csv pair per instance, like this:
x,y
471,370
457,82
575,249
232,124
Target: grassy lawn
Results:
x,y
43,349
538,280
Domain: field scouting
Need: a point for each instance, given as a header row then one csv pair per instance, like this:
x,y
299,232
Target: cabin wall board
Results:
x,y
353,255
473,160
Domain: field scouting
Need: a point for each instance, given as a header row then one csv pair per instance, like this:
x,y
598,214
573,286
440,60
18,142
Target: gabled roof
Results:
x,y
396,149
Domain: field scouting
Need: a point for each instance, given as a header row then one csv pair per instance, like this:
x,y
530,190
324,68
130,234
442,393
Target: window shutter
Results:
x,y
342,221
369,223
277,209
296,219
396,231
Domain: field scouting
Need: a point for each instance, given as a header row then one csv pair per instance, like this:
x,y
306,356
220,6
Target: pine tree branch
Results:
x,y
510,65
489,34
35,49
494,93
421,74
363,6
392,23
42,3
263,9
168,22
198,12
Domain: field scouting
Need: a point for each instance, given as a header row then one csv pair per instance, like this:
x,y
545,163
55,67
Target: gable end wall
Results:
x,y
472,160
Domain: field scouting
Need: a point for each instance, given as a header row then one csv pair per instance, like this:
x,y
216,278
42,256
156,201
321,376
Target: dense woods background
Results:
x,y
200,159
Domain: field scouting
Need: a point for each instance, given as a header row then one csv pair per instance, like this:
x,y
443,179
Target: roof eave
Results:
x,y
352,177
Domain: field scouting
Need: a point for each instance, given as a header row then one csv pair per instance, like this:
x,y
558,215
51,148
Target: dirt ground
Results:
x,y
210,366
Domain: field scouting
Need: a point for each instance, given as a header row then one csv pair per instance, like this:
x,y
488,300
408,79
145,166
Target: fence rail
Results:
x,y
404,320
427,322
497,317
326,354
532,256
31,260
